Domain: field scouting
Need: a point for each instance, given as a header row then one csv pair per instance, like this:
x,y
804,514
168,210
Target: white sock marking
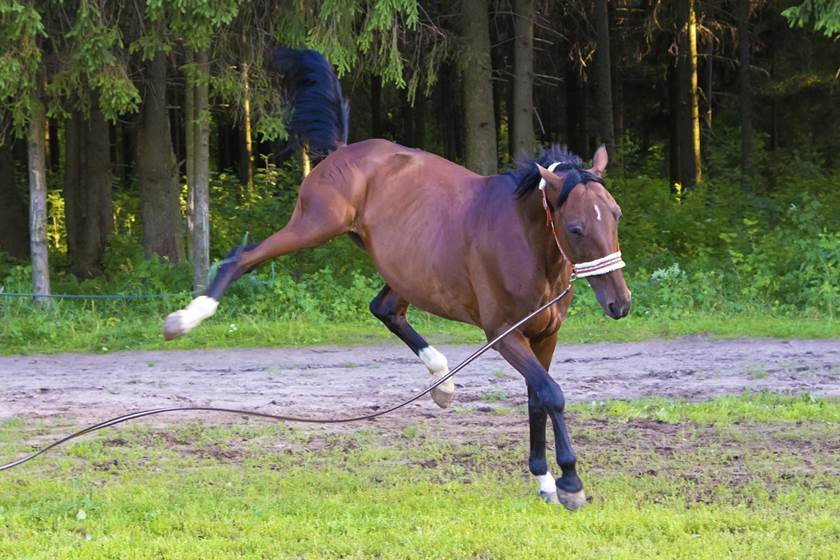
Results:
x,y
437,365
434,361
183,321
201,308
546,483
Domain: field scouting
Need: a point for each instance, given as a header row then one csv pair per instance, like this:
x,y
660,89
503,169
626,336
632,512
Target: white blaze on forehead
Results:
x,y
597,212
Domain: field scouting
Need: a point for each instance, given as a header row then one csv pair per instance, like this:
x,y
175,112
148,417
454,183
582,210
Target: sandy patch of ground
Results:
x,y
343,381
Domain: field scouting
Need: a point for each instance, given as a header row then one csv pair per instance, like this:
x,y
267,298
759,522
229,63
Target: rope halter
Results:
x,y
603,265
606,264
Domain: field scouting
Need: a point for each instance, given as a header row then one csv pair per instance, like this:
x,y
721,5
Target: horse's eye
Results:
x,y
575,230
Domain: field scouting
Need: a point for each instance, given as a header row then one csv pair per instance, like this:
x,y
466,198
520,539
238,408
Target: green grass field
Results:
x,y
69,330
753,476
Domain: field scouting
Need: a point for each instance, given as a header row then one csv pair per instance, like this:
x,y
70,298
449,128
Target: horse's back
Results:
x,y
410,213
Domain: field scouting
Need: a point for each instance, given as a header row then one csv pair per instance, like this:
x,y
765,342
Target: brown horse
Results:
x,y
461,246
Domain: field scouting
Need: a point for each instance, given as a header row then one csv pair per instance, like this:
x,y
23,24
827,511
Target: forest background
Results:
x,y
141,139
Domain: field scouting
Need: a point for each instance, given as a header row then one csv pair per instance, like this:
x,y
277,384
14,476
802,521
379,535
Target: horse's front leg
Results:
x,y
537,463
537,418
548,396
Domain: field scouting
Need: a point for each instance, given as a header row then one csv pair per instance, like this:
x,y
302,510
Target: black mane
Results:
x,y
527,177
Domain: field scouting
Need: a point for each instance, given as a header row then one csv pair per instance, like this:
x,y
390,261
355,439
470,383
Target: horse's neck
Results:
x,y
527,215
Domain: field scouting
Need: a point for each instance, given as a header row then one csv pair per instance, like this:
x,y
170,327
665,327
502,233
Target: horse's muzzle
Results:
x,y
618,309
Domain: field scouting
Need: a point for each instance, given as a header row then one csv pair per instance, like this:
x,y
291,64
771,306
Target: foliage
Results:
x,y
821,15
720,260
21,29
94,64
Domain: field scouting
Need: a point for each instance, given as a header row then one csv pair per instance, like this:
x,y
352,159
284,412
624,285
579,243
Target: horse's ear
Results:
x,y
599,161
550,177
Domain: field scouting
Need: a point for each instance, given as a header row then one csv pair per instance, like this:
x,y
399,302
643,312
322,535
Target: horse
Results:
x,y
480,250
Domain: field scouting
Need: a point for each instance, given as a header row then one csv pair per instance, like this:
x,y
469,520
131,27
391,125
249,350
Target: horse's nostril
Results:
x,y
611,307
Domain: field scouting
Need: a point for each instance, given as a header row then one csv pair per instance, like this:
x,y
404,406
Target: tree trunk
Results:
x,y
407,121
689,112
480,125
775,59
448,114
575,111
523,78
603,76
616,46
189,142
37,160
673,128
376,106
126,145
419,119
247,174
157,171
88,207
53,149
14,233
197,132
502,111
745,92
708,114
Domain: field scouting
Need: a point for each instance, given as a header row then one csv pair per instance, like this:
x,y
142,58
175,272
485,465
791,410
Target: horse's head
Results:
x,y
586,217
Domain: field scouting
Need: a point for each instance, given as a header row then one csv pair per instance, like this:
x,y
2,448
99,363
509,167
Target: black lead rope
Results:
x,y
282,418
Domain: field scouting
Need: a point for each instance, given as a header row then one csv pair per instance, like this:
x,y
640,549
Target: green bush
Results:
x,y
717,249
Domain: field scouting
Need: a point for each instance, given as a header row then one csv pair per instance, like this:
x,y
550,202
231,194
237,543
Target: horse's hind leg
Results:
x,y
310,228
389,307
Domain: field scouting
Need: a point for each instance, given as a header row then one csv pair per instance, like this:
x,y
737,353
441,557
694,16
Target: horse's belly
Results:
x,y
428,280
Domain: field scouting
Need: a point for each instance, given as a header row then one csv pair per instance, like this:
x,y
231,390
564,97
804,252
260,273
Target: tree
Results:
x,y
688,113
157,171
523,78
479,121
22,81
198,169
14,232
89,85
745,91
87,190
37,161
603,76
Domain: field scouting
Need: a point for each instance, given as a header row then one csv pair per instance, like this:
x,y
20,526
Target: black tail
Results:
x,y
321,113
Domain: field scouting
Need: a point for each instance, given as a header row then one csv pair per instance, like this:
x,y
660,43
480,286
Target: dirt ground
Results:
x,y
343,381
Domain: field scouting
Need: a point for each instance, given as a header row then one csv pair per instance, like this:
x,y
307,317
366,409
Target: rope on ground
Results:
x,y
288,418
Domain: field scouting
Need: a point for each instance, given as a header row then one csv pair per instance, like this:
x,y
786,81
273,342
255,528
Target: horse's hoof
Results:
x,y
571,500
175,325
442,394
549,497
184,320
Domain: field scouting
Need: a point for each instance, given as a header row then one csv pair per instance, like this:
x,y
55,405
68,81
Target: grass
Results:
x,y
754,407
763,485
69,329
